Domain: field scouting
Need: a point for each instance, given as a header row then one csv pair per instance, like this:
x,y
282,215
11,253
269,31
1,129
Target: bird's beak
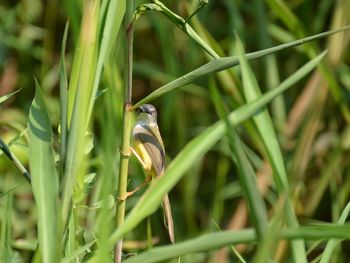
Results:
x,y
140,110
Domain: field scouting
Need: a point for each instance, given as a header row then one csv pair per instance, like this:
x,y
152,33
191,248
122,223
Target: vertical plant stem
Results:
x,y
124,149
149,233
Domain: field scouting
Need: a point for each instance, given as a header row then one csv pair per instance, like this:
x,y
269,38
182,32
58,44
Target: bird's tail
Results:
x,y
168,218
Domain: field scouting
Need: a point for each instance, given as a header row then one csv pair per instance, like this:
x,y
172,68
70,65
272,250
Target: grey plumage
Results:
x,y
147,138
153,145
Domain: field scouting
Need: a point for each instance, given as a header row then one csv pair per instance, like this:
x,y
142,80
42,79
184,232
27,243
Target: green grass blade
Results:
x,y
220,64
63,100
270,62
197,148
7,96
73,81
70,242
247,176
285,84
79,101
6,150
227,78
216,240
44,178
115,14
263,122
315,232
149,70
266,249
287,16
203,243
179,22
291,20
327,254
267,133
315,198
75,254
37,255
6,222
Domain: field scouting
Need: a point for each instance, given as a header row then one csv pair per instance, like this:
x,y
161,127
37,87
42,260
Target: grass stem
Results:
x,y
124,149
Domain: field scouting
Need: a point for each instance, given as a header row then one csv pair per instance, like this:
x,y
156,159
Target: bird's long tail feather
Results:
x,y
168,218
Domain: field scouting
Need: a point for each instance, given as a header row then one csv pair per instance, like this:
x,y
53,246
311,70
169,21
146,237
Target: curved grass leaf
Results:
x,y
267,133
341,17
220,64
44,177
213,241
178,21
247,177
75,254
195,149
263,121
6,150
326,256
7,96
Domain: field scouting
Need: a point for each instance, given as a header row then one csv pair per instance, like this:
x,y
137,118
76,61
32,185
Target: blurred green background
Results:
x,y
311,119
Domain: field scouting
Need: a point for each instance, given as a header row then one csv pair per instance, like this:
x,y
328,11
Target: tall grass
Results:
x,y
237,172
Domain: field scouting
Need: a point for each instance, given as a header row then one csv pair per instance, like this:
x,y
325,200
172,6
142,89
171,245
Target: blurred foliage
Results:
x,y
311,120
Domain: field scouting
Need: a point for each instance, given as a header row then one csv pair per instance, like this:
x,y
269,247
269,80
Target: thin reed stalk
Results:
x,y
124,149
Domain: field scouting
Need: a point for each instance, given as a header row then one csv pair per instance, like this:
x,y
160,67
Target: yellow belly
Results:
x,y
141,151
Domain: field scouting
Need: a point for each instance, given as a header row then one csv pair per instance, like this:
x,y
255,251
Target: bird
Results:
x,y
148,148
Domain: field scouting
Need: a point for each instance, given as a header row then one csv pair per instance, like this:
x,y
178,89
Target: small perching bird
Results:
x,y
149,150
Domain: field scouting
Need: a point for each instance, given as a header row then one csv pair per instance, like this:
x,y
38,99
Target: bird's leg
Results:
x,y
147,180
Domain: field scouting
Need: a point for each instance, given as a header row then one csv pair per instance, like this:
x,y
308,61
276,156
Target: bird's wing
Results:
x,y
153,144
